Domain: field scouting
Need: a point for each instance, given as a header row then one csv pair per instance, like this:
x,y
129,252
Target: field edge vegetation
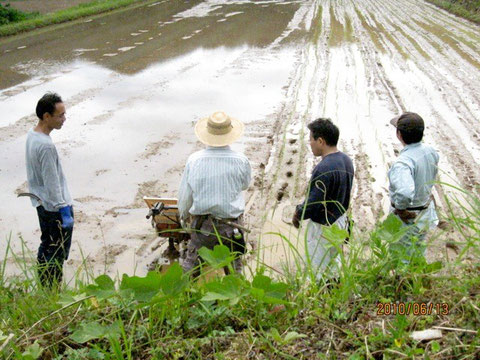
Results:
x,y
369,312
468,9
22,22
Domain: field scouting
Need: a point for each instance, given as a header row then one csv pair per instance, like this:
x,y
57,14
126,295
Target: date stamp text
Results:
x,y
413,308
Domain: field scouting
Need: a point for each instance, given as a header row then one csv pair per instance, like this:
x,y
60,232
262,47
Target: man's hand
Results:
x,y
295,220
405,215
67,219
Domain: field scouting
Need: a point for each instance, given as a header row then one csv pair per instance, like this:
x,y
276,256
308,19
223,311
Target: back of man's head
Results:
x,y
411,127
326,129
47,104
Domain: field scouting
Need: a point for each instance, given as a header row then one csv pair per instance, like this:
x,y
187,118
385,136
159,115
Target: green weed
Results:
x,y
287,315
28,22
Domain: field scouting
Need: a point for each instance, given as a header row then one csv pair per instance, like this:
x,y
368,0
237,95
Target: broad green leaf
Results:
x,y
292,335
217,258
230,288
392,224
435,346
143,288
212,296
94,354
174,282
356,357
94,330
87,332
33,352
276,335
433,267
265,290
334,234
104,288
389,234
66,299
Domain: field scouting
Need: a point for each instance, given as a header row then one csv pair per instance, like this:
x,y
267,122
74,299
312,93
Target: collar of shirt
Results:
x,y
410,146
226,147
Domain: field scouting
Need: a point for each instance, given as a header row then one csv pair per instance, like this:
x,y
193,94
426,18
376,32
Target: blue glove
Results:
x,y
67,219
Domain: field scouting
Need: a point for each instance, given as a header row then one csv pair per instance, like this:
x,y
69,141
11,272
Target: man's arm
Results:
x,y
315,199
185,194
51,181
403,190
402,185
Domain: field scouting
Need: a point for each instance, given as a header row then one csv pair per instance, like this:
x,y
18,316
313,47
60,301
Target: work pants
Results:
x,y
54,247
204,235
323,255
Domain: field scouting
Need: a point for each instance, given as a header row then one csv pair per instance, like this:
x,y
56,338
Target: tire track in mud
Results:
x,y
462,74
281,177
318,57
399,102
460,150
287,157
376,42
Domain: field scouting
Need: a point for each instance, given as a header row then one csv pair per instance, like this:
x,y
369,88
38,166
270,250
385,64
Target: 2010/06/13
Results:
x,y
412,308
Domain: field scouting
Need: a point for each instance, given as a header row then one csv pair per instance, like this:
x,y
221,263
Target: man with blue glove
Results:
x,y
47,181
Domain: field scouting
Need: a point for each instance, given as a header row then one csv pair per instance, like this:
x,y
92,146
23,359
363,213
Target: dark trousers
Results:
x,y
54,247
204,234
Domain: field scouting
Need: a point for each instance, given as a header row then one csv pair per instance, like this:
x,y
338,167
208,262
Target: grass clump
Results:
x,y
262,316
468,9
61,16
9,15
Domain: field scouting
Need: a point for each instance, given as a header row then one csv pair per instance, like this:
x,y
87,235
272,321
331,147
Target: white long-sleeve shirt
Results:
x,y
44,172
212,183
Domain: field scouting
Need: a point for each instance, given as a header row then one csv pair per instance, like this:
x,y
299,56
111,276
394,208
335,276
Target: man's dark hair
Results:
x,y
411,136
47,104
410,125
326,129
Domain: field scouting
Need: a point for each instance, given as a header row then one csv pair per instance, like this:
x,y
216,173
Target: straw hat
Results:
x,y
218,129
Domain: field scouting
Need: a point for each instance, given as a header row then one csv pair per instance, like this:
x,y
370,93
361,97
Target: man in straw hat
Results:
x,y
412,178
211,189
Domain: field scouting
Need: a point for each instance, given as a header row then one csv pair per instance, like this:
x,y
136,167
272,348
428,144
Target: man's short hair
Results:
x,y
47,104
410,125
326,129
412,136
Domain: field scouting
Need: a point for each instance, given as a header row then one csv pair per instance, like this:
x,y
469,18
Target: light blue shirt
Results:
x,y
412,177
212,183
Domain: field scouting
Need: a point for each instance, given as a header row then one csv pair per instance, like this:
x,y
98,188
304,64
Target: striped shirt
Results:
x,y
212,183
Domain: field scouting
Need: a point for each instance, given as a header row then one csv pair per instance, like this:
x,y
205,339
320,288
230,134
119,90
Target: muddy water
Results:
x,y
135,81
133,91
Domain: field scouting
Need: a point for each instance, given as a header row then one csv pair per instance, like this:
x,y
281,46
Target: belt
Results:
x,y
419,208
228,221
205,217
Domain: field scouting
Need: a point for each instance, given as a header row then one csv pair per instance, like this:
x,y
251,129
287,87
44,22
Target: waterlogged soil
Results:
x,y
135,81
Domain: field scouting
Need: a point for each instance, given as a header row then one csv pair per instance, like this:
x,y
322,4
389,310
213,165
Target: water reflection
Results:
x,y
130,41
202,80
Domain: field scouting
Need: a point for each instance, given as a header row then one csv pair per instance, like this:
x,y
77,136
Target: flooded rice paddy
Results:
x,y
135,81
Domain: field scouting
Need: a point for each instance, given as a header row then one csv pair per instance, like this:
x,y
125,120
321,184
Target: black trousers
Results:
x,y
54,247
